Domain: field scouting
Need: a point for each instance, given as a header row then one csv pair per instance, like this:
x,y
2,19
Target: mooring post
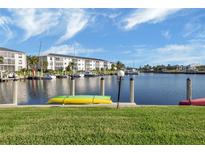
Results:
x,y
72,86
15,90
189,89
119,88
132,96
102,86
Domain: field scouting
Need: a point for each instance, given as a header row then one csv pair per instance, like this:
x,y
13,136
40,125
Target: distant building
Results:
x,y
180,67
12,60
58,61
192,67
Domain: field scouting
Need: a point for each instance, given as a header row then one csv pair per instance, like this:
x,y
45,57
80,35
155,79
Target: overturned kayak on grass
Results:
x,y
81,99
196,102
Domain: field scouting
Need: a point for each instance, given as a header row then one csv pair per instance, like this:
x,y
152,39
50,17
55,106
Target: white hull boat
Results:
x,y
49,77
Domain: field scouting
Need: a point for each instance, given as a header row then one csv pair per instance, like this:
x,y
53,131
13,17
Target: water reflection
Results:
x,y
6,92
149,88
22,93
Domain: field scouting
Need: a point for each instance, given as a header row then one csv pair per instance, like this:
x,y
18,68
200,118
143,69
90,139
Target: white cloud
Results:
x,y
75,49
191,28
166,34
176,48
126,52
4,21
35,21
65,23
77,20
195,28
141,16
180,54
188,53
4,28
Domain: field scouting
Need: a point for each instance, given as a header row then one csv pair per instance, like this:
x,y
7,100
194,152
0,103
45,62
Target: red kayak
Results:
x,y
197,102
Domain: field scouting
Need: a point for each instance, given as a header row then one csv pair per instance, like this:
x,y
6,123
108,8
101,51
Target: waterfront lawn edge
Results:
x,y
103,125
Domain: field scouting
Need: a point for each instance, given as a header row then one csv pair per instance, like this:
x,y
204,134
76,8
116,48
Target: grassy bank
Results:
x,y
142,125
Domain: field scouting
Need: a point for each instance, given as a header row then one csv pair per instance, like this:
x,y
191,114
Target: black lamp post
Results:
x,y
120,74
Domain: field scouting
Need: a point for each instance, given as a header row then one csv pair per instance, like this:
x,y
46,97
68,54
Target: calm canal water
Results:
x,y
160,89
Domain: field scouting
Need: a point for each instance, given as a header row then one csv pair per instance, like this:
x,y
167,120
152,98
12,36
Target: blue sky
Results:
x,y
134,36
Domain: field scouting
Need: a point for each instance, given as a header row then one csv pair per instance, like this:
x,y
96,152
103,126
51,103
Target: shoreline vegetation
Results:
x,y
107,72
174,72
174,69
169,69
41,70
101,125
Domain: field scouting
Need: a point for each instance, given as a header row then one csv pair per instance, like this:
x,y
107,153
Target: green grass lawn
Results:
x,y
100,125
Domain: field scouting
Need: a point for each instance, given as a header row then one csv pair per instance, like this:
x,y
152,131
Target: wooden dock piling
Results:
x,y
102,86
72,86
189,89
132,95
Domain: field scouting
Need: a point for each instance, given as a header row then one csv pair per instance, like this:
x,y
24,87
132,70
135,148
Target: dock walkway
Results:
x,y
122,104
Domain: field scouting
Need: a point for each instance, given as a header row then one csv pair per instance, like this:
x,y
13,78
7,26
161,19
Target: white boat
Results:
x,y
49,77
77,75
89,74
12,75
132,72
81,75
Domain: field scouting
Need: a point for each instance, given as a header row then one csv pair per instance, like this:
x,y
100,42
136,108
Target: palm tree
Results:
x,y
113,67
32,61
120,65
70,66
1,60
45,65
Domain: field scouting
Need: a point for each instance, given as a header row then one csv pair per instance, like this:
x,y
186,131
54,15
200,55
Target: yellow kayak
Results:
x,y
81,99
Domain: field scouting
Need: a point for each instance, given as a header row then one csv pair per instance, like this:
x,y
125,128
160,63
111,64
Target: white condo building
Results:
x,y
58,61
12,60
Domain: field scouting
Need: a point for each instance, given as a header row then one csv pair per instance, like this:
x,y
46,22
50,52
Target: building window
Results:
x,y
9,61
20,61
58,58
10,55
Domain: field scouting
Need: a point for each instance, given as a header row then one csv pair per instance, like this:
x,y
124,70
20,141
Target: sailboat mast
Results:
x,y
39,54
